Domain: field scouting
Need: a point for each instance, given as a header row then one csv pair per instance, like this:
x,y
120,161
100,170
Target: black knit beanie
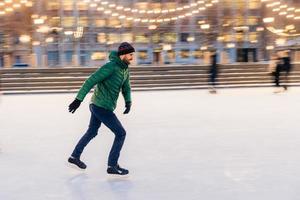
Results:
x,y
125,48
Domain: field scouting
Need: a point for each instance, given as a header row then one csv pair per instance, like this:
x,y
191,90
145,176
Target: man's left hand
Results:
x,y
127,106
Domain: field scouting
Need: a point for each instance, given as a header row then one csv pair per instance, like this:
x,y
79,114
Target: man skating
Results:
x,y
110,79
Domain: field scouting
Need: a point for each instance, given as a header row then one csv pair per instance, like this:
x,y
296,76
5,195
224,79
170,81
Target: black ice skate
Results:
x,y
117,171
77,162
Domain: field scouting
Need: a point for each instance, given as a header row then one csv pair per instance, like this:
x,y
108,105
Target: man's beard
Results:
x,y
126,61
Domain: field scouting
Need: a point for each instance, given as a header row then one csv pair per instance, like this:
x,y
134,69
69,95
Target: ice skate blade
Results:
x,y
117,176
73,166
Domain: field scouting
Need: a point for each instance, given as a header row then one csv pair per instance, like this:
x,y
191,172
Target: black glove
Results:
x,y
74,105
127,106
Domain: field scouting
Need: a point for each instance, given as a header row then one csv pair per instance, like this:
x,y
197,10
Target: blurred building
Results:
x,y
82,32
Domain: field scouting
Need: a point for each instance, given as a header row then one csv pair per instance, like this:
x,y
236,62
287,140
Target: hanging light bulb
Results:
x,y
9,9
268,19
16,5
230,45
205,26
283,13
290,16
283,6
24,38
152,27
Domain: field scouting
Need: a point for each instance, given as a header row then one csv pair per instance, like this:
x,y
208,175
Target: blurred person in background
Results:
x,y
110,79
272,64
277,72
213,72
286,67
272,68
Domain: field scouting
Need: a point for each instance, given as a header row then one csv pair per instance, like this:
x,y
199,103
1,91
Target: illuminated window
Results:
x,y
101,38
100,22
54,21
113,38
239,37
156,38
68,21
127,37
127,23
240,21
99,55
67,4
252,20
253,4
170,37
143,55
198,54
83,21
184,53
228,21
52,5
82,6
113,22
252,36
228,38
141,38
170,55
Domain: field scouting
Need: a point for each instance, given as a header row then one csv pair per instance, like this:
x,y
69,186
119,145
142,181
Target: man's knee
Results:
x,y
93,131
121,133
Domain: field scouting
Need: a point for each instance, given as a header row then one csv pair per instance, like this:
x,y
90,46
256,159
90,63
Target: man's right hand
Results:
x,y
74,105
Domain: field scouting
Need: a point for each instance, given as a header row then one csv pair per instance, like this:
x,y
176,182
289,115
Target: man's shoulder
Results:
x,y
108,65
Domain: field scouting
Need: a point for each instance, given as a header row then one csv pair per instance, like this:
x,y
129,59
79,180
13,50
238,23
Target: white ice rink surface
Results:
x,y
241,144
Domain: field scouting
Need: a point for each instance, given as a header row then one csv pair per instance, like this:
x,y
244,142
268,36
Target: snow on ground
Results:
x,y
241,144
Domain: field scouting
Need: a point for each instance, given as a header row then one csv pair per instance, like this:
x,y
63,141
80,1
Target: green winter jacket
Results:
x,y
111,78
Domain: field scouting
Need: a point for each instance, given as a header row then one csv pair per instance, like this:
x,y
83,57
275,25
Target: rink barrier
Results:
x,y
34,80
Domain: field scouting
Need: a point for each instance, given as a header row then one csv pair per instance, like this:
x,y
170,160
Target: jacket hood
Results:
x,y
113,57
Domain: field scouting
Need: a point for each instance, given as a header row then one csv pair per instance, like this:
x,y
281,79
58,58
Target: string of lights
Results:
x,y
151,15
151,12
282,9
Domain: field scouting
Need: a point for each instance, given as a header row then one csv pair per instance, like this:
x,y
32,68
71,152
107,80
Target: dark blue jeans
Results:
x,y
109,119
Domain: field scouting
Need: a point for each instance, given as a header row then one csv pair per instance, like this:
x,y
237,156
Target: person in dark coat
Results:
x,y
276,74
213,73
286,65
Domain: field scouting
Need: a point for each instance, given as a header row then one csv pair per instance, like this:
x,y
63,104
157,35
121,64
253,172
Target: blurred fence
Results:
x,y
39,80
